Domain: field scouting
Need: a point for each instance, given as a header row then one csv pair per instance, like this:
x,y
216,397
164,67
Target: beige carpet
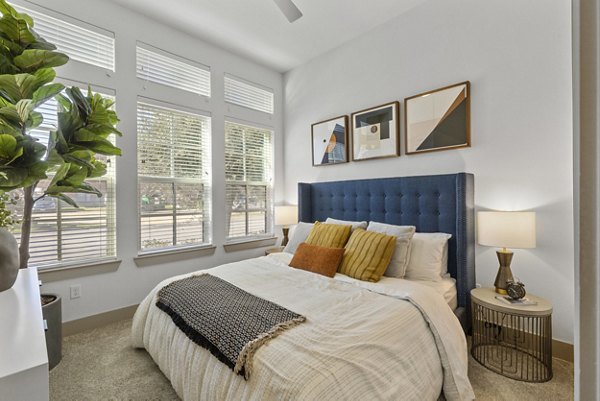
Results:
x,y
101,365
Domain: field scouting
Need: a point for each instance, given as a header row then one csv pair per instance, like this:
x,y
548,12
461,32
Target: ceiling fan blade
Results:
x,y
289,9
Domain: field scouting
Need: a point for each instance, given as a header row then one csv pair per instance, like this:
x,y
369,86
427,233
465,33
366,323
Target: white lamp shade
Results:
x,y
506,229
286,215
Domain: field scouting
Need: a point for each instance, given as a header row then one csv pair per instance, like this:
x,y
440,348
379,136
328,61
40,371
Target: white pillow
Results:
x,y
299,235
354,224
400,257
428,256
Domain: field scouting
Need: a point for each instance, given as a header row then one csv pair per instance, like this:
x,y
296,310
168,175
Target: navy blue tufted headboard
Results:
x,y
435,203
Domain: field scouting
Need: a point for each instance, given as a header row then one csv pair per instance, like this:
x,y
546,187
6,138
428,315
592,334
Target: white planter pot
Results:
x,y
9,259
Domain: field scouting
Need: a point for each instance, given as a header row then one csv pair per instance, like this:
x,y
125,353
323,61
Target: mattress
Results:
x,y
446,288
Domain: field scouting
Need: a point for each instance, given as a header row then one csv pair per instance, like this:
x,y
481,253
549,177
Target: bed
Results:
x,y
382,341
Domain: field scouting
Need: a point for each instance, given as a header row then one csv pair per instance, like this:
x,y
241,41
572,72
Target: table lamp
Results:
x,y
286,216
505,230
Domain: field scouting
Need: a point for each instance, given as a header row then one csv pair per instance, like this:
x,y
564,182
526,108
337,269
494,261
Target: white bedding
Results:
x,y
361,341
446,288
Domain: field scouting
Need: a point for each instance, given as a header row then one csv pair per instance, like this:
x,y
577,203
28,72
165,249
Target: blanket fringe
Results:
x,y
246,357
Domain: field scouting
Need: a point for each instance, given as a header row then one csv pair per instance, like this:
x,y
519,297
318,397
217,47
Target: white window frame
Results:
x,y
110,206
269,209
249,86
178,63
208,183
43,12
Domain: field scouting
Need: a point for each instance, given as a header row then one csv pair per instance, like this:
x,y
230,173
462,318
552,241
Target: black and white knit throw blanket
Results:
x,y
226,320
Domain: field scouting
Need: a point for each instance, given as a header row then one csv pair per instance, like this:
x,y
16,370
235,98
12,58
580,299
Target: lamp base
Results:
x,y
286,231
504,273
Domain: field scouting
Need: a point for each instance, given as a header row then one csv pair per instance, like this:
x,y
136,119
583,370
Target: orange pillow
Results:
x,y
317,259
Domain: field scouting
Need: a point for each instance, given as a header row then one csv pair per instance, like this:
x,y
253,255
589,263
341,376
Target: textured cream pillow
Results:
x,y
354,224
299,235
403,234
428,257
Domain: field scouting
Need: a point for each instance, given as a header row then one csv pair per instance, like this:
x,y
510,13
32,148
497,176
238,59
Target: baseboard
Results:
x,y
99,320
562,351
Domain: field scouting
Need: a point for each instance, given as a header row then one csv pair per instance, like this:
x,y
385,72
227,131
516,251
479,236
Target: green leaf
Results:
x,y
10,115
35,120
46,92
59,174
17,30
8,146
6,8
84,135
76,176
80,101
23,86
65,199
24,107
102,146
12,177
34,59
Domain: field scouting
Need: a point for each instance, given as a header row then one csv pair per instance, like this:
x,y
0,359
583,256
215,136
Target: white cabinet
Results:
x,y
23,355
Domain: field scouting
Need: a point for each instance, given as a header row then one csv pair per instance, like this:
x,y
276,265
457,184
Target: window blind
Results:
x,y
93,46
249,180
62,234
173,71
174,177
248,95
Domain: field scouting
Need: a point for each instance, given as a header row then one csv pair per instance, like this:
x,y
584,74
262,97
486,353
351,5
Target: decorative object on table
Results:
x,y
513,339
85,122
438,119
515,289
375,132
286,216
506,230
330,141
9,249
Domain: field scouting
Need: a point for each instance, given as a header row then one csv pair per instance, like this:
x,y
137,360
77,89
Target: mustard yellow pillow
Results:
x,y
329,235
367,255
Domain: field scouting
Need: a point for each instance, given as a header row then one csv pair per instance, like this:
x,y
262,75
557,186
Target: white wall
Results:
x,y
129,284
517,56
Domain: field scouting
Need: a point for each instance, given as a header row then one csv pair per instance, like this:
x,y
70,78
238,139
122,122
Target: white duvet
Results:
x,y
392,340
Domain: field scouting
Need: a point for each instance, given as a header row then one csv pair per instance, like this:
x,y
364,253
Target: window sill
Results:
x,y
172,255
249,244
59,273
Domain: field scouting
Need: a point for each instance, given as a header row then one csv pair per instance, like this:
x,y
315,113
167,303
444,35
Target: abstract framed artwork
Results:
x,y
375,132
438,119
330,141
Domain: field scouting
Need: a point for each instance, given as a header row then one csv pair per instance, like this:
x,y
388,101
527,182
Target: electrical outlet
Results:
x,y
75,291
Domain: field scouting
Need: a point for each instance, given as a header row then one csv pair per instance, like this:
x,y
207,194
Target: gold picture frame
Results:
x,y
376,132
439,119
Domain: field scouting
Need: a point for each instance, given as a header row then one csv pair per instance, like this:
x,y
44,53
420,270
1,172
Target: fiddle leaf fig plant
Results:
x,y
85,123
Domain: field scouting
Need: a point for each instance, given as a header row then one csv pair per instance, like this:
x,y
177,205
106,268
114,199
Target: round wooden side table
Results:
x,y
513,340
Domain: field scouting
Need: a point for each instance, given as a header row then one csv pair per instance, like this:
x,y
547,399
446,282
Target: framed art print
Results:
x,y
375,132
330,141
438,119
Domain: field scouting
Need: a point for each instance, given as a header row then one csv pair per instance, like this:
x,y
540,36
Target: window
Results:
x,y
174,179
167,69
89,45
249,180
62,234
246,94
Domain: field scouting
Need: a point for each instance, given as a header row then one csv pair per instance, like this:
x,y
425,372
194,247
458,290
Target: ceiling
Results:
x,y
257,30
